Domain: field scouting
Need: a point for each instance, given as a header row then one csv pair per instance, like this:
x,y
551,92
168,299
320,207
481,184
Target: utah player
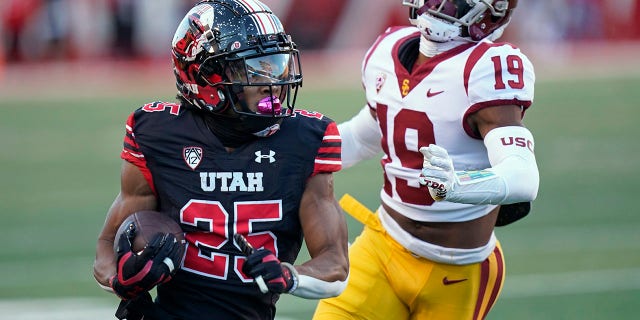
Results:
x,y
232,157
445,106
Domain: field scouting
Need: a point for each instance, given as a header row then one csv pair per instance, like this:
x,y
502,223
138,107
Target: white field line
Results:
x,y
61,309
520,286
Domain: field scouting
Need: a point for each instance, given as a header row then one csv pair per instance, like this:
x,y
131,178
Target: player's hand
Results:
x,y
278,276
437,172
140,272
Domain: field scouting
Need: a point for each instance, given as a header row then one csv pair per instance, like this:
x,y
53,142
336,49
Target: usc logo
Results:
x,y
518,141
405,87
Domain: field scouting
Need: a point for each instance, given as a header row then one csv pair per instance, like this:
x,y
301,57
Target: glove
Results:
x,y
437,172
140,308
129,309
279,277
140,272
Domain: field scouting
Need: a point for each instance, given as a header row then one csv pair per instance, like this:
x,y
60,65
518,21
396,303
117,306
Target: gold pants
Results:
x,y
388,282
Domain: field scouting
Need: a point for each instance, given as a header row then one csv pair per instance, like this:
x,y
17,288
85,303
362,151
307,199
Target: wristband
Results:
x,y
311,288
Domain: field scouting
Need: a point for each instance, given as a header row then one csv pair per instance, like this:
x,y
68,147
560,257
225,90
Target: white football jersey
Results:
x,y
430,104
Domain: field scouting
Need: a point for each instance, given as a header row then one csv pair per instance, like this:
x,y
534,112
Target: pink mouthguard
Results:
x,y
269,105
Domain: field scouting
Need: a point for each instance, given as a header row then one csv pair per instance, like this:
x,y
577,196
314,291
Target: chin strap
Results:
x,y
437,36
430,48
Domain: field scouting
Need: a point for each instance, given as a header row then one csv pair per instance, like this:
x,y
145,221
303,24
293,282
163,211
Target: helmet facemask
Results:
x,y
277,75
260,86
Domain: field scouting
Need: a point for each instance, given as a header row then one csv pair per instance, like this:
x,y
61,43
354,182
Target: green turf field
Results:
x,y
577,256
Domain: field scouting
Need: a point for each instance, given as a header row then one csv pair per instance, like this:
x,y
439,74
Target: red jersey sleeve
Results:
x,y
131,151
328,158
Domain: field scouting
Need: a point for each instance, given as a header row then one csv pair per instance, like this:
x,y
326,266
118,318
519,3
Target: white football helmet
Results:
x,y
447,20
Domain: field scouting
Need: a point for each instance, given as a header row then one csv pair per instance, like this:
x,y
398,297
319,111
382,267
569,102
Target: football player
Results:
x,y
445,105
232,156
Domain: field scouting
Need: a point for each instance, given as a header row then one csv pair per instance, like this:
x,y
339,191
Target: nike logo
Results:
x,y
433,94
447,282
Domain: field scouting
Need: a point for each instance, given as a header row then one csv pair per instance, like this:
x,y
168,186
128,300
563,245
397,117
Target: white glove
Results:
x,y
437,172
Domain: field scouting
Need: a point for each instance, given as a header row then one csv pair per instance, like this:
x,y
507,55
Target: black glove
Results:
x,y
141,308
139,273
278,277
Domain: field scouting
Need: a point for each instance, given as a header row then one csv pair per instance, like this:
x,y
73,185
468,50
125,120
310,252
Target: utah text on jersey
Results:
x,y
231,181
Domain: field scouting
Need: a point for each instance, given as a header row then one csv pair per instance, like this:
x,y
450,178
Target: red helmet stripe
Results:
x,y
253,6
267,23
264,18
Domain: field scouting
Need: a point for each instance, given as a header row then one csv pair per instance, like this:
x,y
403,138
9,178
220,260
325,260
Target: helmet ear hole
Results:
x,y
218,100
208,68
208,73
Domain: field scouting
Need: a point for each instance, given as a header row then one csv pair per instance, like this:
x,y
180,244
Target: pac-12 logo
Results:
x,y
192,156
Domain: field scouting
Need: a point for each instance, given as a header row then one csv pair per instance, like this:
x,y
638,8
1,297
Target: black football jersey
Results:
x,y
255,190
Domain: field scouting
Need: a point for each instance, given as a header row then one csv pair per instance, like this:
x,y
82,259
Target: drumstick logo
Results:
x,y
247,250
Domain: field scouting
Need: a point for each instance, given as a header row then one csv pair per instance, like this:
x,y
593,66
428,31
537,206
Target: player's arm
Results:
x,y
325,232
135,195
490,118
513,176
360,137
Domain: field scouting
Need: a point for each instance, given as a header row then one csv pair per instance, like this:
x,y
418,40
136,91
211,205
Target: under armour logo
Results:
x,y
260,156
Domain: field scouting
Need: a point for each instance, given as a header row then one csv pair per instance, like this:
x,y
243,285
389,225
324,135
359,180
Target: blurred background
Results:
x,y
72,30
72,70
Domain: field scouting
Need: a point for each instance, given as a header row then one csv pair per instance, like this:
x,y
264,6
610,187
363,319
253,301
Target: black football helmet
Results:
x,y
446,20
222,46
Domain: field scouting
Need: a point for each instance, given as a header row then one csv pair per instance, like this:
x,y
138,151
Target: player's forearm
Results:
x,y
325,232
511,153
104,266
322,277
513,176
327,267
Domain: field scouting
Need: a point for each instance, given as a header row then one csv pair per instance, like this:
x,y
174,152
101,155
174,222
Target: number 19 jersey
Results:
x,y
431,104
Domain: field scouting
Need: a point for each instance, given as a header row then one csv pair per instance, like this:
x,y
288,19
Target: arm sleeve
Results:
x,y
513,176
511,156
360,138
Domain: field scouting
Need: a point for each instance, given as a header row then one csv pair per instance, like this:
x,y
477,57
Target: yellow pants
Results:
x,y
388,282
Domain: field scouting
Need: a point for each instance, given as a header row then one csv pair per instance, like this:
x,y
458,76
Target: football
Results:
x,y
146,225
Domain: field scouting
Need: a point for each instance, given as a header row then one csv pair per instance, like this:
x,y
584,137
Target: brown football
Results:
x,y
147,224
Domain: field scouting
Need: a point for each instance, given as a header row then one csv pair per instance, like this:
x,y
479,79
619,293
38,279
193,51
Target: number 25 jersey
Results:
x,y
254,190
